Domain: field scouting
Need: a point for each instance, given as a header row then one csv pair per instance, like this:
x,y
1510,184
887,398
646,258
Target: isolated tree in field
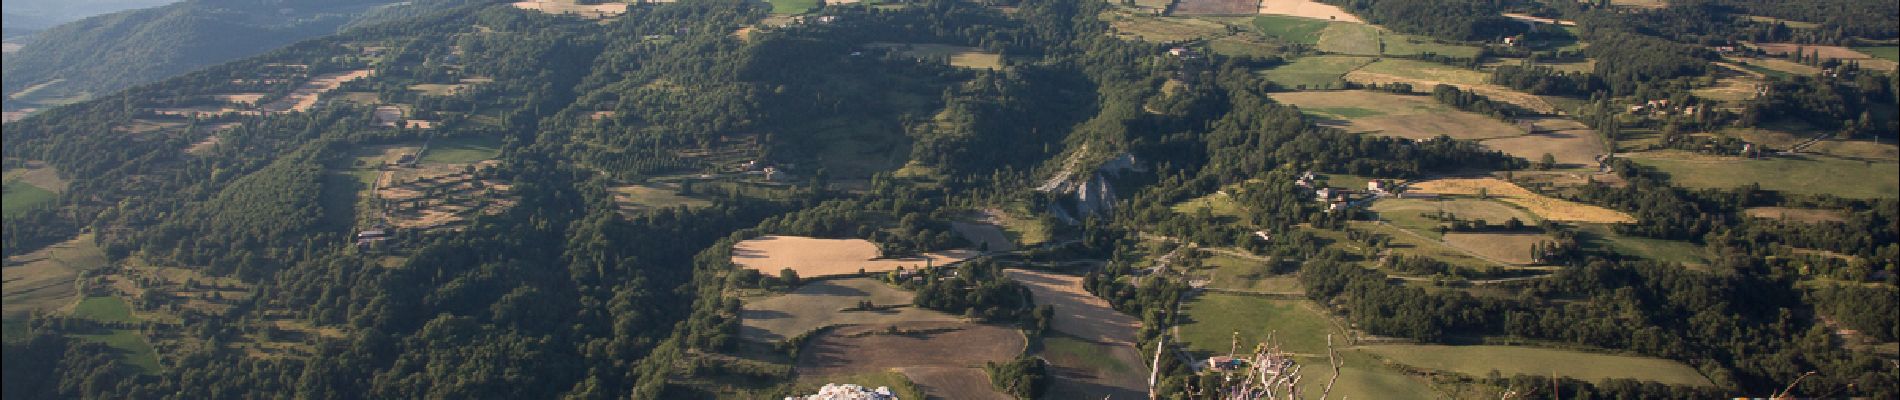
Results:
x,y
789,276
1547,162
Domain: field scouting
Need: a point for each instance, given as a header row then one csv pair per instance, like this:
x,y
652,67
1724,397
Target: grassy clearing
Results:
x,y
1792,174
1890,53
104,309
1654,249
1349,38
1214,317
648,197
135,351
1316,72
787,7
1218,204
1308,9
1511,360
1394,44
1293,29
1083,353
813,257
1244,274
19,196
462,150
1414,117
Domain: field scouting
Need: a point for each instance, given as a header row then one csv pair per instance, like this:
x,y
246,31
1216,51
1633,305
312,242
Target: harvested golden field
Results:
x,y
1424,75
1307,8
1545,207
1802,215
1387,114
1513,248
821,303
571,7
813,257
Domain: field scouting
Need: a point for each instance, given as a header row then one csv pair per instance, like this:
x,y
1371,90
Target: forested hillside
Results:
x,y
738,199
107,53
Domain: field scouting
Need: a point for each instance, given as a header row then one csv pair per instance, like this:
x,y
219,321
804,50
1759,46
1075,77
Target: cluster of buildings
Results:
x,y
1661,107
847,391
1341,198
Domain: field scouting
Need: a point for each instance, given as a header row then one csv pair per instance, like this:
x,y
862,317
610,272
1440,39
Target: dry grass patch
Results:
x,y
1544,207
1129,26
1308,9
39,175
1802,215
305,96
1512,248
813,257
1570,142
432,196
936,351
819,304
1079,313
1414,117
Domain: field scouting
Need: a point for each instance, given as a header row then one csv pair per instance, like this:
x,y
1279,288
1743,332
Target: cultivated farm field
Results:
x,y
820,303
1794,174
1511,360
1387,114
1573,144
1407,213
813,257
1315,72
